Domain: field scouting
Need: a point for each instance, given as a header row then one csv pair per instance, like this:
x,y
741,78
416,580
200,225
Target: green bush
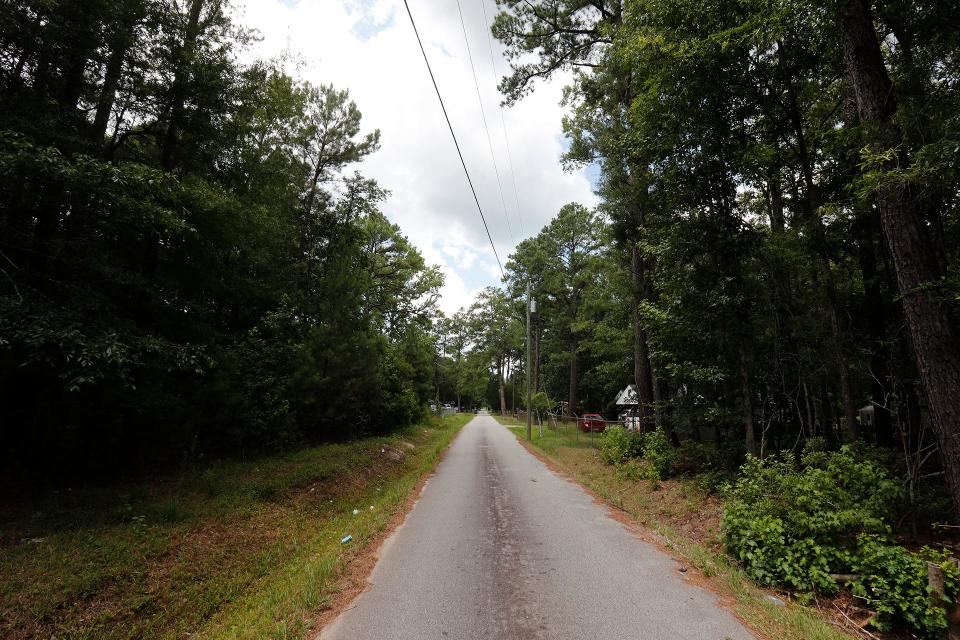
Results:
x,y
795,525
696,457
893,581
631,471
713,482
617,445
659,453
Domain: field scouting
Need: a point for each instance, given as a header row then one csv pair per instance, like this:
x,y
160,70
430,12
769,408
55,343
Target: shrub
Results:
x,y
694,457
713,482
894,582
795,525
617,445
631,470
659,453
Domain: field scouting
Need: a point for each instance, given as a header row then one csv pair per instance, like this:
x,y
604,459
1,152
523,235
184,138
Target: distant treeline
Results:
x,y
187,265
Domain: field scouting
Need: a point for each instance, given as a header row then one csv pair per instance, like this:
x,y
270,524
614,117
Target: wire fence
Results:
x,y
574,430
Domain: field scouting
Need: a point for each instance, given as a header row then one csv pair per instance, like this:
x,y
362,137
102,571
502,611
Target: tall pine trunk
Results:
x,y
642,371
119,47
503,397
912,252
572,397
172,139
746,399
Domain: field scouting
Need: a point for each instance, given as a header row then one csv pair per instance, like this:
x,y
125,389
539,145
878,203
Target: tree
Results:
x,y
913,256
565,35
187,266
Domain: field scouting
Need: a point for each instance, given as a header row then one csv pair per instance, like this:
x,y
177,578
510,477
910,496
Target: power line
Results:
x,y
483,114
454,136
503,121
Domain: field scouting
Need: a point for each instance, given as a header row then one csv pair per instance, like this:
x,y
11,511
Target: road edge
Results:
x,y
691,574
361,561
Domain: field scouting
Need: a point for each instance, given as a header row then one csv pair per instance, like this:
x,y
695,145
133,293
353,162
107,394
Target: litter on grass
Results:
x,y
345,539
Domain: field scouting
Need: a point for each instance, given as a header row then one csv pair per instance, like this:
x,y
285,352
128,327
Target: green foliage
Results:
x,y
631,470
188,268
541,402
659,454
617,444
714,482
694,457
893,581
794,525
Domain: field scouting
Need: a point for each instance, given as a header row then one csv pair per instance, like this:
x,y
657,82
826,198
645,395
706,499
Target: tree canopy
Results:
x,y
190,265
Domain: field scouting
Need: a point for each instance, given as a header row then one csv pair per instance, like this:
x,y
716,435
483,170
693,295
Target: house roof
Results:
x,y
627,397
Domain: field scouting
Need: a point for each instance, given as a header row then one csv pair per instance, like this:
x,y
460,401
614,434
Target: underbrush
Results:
x,y
620,447
824,522
812,525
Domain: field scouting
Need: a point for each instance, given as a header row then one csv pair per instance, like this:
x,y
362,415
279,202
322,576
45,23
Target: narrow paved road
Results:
x,y
500,547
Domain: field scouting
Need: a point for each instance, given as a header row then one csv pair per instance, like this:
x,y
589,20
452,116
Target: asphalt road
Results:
x,y
500,547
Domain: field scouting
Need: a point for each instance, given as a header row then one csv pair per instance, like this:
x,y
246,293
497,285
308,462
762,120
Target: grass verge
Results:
x,y
685,521
234,550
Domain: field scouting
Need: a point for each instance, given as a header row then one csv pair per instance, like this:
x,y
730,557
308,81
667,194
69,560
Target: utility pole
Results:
x,y
529,381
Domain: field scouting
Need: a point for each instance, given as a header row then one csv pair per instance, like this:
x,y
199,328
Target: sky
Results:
x,y
368,47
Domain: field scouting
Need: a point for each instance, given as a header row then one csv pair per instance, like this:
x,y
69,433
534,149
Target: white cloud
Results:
x,y
368,47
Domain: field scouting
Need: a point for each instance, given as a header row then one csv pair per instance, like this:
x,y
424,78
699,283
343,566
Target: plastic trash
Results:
x,y
775,600
345,539
356,511
371,507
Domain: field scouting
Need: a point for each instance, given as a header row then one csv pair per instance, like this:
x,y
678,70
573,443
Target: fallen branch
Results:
x,y
854,624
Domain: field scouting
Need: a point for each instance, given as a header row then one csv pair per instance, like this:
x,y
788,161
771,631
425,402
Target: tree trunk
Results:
x,y
503,399
642,373
746,396
111,79
777,222
181,80
171,141
876,328
867,228
76,55
818,237
914,261
572,398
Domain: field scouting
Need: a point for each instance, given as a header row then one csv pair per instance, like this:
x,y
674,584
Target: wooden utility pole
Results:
x,y
529,380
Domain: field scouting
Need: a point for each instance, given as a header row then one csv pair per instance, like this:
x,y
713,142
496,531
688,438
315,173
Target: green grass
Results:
x,y
233,550
565,435
686,521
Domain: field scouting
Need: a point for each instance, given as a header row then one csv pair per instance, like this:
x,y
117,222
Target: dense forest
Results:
x,y
774,257
189,266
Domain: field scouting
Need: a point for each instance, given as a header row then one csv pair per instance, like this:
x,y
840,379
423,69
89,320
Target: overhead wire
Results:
x,y
486,127
503,120
453,135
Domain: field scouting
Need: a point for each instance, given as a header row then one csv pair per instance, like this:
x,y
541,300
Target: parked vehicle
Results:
x,y
592,422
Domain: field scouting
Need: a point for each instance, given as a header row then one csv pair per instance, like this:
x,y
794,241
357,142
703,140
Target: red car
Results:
x,y
592,422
